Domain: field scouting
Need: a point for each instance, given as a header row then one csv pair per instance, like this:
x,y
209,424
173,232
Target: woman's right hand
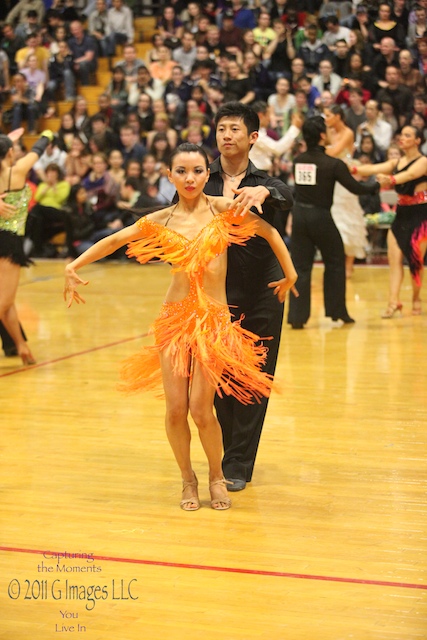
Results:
x,y
72,280
6,210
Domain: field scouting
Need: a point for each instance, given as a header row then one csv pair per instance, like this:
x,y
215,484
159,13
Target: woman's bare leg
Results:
x,y
395,261
9,280
176,421
349,266
201,409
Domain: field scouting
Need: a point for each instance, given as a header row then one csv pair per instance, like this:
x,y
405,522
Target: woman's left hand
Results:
x,y
72,280
281,287
248,197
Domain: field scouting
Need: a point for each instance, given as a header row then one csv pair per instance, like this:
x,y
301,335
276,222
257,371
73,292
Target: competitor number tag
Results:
x,y
305,174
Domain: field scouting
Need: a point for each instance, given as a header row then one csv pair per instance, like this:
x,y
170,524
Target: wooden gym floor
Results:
x,y
327,543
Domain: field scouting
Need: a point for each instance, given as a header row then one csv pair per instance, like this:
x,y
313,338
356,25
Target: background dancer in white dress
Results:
x,y
346,210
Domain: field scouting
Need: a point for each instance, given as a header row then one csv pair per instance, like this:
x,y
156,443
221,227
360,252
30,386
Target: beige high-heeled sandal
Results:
x,y
220,504
394,308
194,501
27,358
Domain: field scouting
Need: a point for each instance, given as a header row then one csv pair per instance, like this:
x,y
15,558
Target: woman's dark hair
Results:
x,y
312,130
187,147
5,144
72,198
418,132
238,110
337,110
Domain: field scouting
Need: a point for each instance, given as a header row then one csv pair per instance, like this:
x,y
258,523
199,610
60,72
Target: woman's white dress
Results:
x,y
349,217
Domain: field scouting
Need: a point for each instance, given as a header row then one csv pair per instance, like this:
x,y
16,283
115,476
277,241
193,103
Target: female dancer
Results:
x,y
408,234
346,210
12,228
198,350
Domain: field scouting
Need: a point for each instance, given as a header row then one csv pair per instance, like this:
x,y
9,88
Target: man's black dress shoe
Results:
x,y
297,326
345,319
237,484
10,352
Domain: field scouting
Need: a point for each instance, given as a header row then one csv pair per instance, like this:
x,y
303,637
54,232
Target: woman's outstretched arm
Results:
x,y
101,249
372,169
416,170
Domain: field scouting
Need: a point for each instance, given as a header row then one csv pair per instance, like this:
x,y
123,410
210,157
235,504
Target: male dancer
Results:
x,y
313,227
250,269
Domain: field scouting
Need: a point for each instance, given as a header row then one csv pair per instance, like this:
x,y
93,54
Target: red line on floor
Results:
x,y
71,355
254,572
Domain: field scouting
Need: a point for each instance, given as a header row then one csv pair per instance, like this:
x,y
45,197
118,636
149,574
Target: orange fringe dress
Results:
x,y
198,327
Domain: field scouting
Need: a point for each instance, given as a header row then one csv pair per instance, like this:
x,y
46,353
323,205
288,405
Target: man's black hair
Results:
x,y
312,129
238,110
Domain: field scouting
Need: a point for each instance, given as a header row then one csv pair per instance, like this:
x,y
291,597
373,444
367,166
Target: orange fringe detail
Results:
x,y
198,328
416,262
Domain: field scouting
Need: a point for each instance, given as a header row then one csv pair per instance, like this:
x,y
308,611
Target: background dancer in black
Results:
x,y
313,227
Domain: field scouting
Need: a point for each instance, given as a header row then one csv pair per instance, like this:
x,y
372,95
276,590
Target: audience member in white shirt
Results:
x,y
265,148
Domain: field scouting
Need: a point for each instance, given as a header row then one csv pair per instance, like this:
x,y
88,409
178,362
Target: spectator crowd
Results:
x,y
289,59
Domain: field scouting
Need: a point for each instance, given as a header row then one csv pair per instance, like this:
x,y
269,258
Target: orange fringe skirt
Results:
x,y
200,329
